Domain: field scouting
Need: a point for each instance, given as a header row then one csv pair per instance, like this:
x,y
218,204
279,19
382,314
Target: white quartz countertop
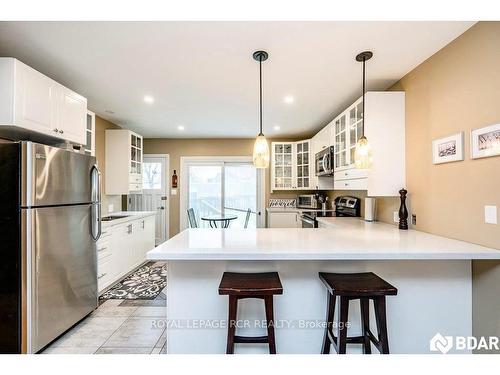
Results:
x,y
347,239
130,215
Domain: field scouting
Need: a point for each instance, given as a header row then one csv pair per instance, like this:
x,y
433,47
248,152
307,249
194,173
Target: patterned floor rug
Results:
x,y
145,283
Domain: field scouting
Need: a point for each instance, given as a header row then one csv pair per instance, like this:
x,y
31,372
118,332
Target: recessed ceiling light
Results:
x,y
289,99
277,127
180,127
149,99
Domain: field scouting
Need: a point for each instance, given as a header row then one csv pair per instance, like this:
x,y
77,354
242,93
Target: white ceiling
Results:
x,y
202,75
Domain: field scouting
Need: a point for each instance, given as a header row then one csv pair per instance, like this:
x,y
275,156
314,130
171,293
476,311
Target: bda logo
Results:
x,y
441,343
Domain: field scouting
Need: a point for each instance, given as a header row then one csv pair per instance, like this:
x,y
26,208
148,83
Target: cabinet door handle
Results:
x,y
61,131
56,130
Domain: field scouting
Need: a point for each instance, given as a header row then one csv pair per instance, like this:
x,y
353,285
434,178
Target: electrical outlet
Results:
x,y
395,216
490,214
413,219
111,208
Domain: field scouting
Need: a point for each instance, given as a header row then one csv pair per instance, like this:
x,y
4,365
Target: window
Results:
x,y
151,176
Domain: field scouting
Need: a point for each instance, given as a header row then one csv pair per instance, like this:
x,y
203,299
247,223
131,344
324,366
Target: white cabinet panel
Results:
x,y
122,248
36,101
359,184
34,106
73,115
283,220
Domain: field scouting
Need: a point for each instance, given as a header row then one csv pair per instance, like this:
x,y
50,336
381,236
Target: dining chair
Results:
x,y
247,218
192,218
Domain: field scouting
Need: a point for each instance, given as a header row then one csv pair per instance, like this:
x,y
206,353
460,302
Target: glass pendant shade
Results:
x,y
261,152
363,154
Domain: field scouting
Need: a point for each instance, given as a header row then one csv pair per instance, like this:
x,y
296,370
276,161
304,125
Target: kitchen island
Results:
x,y
432,274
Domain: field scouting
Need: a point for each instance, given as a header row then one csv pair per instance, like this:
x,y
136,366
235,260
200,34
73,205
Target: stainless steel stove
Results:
x,y
344,206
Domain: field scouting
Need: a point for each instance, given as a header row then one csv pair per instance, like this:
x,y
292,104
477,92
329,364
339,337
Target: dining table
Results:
x,y
219,220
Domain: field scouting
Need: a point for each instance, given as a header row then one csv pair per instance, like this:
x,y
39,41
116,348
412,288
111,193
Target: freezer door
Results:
x,y
53,176
63,270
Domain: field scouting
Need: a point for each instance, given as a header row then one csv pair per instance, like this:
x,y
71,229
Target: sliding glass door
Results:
x,y
223,187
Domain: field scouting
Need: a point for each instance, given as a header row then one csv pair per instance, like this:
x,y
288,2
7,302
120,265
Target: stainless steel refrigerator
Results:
x,y
49,224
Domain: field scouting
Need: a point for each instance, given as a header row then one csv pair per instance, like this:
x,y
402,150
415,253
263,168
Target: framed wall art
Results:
x,y
448,149
485,142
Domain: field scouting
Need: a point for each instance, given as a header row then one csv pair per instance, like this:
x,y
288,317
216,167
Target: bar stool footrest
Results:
x,y
251,339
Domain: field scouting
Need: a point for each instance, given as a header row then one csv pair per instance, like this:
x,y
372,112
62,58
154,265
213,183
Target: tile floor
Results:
x,y
117,327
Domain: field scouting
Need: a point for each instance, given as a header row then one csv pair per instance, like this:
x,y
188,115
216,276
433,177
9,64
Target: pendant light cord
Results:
x,y
260,94
363,128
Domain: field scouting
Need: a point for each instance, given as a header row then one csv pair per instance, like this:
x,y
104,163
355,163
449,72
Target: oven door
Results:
x,y
308,222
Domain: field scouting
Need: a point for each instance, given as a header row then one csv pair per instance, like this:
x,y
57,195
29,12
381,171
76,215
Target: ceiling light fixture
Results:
x,y
363,151
260,148
180,127
149,99
277,127
289,99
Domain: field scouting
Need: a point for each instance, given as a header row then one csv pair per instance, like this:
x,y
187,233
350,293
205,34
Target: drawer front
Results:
x,y
135,178
135,187
103,250
103,273
105,233
358,184
349,174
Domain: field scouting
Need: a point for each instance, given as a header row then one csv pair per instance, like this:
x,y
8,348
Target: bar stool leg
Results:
x,y
342,325
268,301
231,329
365,324
330,301
380,316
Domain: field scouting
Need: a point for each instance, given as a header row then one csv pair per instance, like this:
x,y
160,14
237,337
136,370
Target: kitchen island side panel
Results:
x,y
433,296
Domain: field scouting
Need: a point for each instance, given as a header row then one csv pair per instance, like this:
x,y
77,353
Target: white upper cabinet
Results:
x,y
385,130
322,139
292,166
73,116
123,157
33,106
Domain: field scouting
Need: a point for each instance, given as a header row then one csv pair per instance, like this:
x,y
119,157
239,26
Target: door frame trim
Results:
x,y
167,189
183,181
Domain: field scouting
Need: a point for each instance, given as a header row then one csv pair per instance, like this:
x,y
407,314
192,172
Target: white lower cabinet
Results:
x,y
284,220
122,248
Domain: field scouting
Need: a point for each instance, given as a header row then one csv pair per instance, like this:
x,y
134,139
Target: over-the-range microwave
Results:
x,y
325,162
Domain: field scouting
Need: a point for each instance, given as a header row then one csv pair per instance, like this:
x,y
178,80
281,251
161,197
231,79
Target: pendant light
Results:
x,y
260,148
363,152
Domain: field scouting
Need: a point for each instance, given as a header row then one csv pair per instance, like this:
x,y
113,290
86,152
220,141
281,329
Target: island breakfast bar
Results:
x,y
432,274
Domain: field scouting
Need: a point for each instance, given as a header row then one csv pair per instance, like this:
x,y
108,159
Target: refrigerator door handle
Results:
x,y
96,227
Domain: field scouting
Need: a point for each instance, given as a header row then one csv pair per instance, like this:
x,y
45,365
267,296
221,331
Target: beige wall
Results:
x,y
202,147
458,89
100,126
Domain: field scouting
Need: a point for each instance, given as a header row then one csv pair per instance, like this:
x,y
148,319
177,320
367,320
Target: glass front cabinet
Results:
x,y
348,128
291,166
90,134
123,155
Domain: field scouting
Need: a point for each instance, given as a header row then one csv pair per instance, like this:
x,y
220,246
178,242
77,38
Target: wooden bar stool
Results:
x,y
250,285
362,286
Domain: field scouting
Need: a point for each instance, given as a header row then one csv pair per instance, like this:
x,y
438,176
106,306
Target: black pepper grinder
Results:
x,y
403,212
